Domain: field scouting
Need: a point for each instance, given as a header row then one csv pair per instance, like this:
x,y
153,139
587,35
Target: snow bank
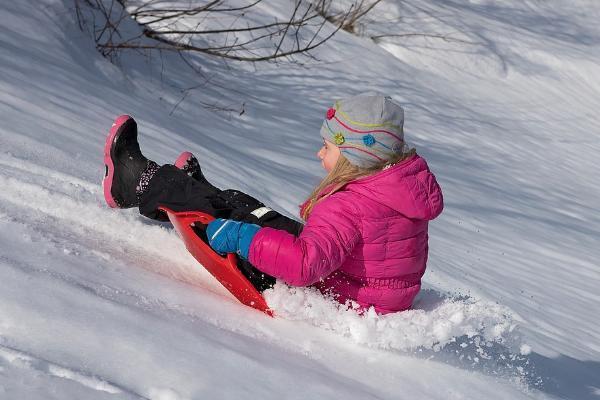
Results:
x,y
434,321
456,329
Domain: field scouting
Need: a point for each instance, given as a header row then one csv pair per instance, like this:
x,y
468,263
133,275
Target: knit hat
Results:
x,y
367,129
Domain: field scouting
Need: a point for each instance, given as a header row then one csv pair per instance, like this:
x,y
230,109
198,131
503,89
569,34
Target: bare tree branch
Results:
x,y
446,37
166,28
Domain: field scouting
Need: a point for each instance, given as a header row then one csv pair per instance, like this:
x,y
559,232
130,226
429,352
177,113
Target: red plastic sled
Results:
x,y
223,268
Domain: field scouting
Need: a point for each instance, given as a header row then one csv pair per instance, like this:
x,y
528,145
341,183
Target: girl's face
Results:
x,y
328,155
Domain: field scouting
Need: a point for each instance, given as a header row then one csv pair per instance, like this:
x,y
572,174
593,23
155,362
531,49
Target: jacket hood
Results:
x,y
408,187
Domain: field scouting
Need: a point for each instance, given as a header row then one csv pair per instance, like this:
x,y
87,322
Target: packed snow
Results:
x,y
501,98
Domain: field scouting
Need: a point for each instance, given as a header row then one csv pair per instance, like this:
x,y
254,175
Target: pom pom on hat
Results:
x,y
368,140
330,113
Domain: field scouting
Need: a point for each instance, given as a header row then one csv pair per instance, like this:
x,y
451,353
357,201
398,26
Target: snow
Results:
x,y
99,303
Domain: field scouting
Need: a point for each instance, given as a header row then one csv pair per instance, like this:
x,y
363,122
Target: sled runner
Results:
x,y
223,268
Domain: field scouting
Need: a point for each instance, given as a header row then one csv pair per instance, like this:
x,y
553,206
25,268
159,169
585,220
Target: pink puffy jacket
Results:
x,y
367,242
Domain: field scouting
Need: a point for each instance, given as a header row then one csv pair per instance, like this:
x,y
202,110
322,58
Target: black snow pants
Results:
x,y
173,188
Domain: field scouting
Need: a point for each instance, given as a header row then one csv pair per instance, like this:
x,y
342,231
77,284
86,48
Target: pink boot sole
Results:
x,y
182,159
109,168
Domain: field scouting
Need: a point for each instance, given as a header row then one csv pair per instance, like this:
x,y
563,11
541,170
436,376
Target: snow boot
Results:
x,y
190,165
127,171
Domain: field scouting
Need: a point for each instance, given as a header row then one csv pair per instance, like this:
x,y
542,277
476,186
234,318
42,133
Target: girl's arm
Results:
x,y
326,240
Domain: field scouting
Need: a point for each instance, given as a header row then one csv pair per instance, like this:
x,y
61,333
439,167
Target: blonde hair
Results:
x,y
343,173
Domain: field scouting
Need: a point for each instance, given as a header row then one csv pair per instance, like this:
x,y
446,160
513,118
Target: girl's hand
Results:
x,y
229,236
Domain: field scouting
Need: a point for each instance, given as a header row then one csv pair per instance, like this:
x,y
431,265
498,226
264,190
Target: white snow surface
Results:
x,y
98,303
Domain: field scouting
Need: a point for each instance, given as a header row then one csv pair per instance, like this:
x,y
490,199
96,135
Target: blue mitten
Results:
x,y
229,236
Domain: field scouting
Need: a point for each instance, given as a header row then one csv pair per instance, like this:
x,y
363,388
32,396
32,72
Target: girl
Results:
x,y
365,237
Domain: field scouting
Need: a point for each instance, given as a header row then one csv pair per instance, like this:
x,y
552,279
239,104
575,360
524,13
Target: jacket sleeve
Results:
x,y
329,235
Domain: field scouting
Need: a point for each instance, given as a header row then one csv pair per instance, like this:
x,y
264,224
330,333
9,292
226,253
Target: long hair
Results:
x,y
343,173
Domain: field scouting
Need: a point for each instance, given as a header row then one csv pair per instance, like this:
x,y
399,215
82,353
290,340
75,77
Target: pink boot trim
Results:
x,y
108,163
183,159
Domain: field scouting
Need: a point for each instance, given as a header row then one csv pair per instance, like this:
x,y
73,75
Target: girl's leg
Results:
x,y
133,180
246,208
243,206
172,188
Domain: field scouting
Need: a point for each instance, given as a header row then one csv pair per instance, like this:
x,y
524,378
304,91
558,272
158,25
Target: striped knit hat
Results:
x,y
366,128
